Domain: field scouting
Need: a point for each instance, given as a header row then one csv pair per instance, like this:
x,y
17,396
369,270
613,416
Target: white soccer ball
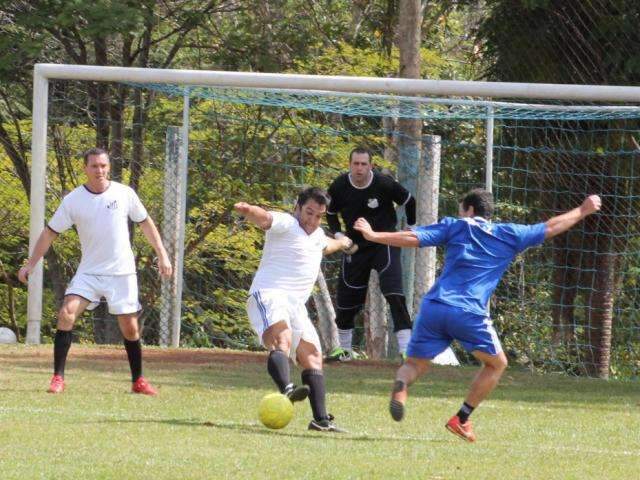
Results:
x,y
7,335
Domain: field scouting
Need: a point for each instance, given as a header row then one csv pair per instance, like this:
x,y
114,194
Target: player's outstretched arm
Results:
x,y
405,238
150,231
45,240
561,223
340,243
256,215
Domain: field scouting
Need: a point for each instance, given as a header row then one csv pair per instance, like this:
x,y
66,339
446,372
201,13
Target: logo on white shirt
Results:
x,y
113,205
373,203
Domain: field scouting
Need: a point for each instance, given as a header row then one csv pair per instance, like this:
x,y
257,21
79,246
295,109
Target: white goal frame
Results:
x,y
391,86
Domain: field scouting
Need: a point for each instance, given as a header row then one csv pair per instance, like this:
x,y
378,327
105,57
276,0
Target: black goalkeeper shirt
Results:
x,y
374,202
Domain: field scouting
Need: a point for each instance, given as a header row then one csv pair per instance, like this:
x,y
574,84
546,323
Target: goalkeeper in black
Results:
x,y
363,192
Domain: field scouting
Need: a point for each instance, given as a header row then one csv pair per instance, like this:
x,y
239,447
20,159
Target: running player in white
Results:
x,y
290,264
100,210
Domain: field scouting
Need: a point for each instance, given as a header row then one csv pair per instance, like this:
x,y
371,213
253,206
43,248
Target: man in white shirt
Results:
x,y
100,210
290,264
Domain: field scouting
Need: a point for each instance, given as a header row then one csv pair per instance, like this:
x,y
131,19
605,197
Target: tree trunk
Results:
x,y
600,317
116,150
326,315
409,130
101,96
375,319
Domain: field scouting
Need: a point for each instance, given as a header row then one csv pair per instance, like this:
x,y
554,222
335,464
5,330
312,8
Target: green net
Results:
x,y
569,306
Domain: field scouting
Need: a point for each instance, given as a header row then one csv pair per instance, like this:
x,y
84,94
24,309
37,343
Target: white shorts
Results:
x,y
266,307
120,291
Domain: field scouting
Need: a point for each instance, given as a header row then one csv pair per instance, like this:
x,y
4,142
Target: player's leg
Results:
x,y
493,366
345,321
268,314
388,263
351,295
121,293
477,335
72,307
410,370
309,357
428,339
277,339
133,346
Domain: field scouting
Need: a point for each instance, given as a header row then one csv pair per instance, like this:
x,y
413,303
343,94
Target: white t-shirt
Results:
x,y
290,258
102,223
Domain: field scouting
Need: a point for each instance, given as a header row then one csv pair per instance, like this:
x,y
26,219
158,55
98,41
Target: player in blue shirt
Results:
x,y
477,254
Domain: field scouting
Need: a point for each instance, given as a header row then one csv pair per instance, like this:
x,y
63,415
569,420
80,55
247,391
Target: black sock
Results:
x,y
278,368
134,353
464,412
61,345
315,380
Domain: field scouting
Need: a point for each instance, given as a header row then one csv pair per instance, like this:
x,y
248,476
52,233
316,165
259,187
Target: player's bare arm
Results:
x,y
45,240
394,239
150,232
254,214
561,223
339,243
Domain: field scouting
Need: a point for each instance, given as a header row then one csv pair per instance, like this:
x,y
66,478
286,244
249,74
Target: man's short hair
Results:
x,y
360,150
481,200
93,151
316,194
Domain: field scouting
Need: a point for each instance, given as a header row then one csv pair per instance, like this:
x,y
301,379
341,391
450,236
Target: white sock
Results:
x,y
345,337
403,337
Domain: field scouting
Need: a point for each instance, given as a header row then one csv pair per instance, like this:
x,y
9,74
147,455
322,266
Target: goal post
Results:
x,y
505,133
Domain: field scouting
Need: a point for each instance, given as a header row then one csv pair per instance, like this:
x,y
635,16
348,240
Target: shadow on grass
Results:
x,y
255,429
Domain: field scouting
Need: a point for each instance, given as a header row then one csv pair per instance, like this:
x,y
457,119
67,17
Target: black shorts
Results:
x,y
356,269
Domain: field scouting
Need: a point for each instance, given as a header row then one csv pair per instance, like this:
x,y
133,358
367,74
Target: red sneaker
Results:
x,y
463,430
144,387
56,385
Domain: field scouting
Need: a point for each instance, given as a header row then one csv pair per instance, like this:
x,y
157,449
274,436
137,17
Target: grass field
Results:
x,y
204,424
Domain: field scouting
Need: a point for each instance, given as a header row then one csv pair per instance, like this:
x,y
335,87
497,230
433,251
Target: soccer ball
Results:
x,y
275,411
7,335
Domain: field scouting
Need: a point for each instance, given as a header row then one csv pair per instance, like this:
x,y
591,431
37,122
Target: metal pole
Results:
x,y
398,86
489,154
37,199
182,196
170,229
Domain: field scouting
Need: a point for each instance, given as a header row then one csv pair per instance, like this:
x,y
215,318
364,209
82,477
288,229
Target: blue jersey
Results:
x,y
477,254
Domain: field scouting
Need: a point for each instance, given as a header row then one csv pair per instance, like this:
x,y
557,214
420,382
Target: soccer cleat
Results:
x,y
142,386
396,409
56,385
462,430
297,394
339,354
325,425
355,355
396,404
403,358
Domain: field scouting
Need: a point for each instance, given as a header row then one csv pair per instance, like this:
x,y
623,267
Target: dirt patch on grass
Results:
x,y
200,356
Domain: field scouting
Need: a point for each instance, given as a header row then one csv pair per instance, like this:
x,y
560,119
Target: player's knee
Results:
x,y
420,365
310,360
502,363
66,318
282,341
499,363
399,312
130,333
345,319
